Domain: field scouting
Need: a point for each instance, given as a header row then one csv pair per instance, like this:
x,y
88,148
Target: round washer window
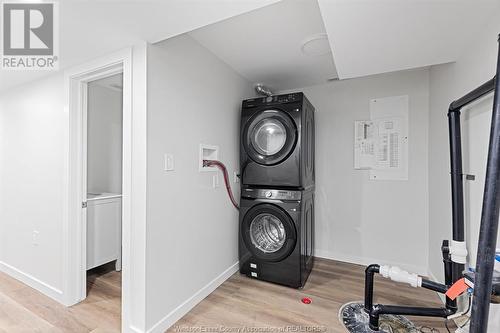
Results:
x,y
267,233
269,136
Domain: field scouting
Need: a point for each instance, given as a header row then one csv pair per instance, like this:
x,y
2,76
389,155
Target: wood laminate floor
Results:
x,y
239,303
260,307
25,310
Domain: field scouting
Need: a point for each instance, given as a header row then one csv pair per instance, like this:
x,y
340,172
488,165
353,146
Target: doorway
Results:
x,y
133,183
102,211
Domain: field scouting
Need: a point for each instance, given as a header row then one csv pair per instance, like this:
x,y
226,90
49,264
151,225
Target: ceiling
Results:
x,y
370,37
265,45
90,29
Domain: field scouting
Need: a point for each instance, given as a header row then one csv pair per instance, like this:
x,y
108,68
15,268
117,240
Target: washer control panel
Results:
x,y
271,194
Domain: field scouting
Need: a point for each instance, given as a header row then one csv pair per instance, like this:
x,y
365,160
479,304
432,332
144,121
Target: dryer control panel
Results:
x,y
276,99
271,194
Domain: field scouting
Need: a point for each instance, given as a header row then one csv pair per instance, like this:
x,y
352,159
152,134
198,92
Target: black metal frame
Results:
x,y
489,221
488,230
457,188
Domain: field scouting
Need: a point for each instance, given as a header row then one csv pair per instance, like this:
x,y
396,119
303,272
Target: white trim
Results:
x,y
74,237
176,314
31,281
367,261
133,182
133,329
134,279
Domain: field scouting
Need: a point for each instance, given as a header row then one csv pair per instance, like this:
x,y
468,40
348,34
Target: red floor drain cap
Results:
x,y
306,300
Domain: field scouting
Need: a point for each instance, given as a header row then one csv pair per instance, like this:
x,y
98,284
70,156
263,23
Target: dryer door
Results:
x,y
268,232
269,137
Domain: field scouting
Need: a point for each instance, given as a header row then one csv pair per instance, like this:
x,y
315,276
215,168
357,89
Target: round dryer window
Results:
x,y
267,233
269,136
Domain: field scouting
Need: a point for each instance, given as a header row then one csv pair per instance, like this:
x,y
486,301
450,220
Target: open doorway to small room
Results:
x,y
103,294
104,163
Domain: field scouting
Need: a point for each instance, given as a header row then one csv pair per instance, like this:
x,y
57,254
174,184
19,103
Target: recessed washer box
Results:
x,y
208,152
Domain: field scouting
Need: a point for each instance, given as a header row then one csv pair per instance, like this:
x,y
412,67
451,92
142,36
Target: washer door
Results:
x,y
268,232
269,137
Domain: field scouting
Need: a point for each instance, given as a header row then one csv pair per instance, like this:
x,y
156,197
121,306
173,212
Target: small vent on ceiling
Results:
x,y
316,45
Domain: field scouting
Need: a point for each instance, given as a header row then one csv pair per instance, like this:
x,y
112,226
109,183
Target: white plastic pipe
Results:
x,y
458,252
398,275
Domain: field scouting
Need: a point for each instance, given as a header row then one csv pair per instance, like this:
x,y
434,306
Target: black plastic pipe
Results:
x,y
488,232
457,189
404,310
369,276
448,271
374,311
472,96
434,286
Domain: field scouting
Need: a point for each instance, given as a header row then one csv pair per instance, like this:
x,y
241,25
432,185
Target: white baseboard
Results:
x,y
132,329
367,261
190,303
31,281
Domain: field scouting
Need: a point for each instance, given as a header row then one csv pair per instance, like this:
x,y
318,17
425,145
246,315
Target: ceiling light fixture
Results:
x,y
316,45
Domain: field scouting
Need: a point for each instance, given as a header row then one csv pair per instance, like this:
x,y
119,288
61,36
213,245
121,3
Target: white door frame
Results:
x,y
133,180
79,93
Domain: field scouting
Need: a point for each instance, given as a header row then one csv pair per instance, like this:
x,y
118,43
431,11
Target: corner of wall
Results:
x,y
173,316
184,80
134,281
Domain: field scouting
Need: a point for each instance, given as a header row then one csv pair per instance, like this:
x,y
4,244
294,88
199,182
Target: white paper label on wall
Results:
x,y
253,265
388,145
364,144
390,116
381,143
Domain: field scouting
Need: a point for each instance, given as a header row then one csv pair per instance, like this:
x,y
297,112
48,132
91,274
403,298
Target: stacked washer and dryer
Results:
x,y
276,237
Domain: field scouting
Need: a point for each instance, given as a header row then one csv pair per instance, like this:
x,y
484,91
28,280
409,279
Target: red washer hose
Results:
x,y
222,167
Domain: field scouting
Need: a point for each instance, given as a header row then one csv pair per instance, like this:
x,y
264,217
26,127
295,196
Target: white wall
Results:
x,y
104,139
447,83
33,124
193,98
34,148
363,221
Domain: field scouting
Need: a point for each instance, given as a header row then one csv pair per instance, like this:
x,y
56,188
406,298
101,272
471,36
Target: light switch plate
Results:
x,y
35,237
169,164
